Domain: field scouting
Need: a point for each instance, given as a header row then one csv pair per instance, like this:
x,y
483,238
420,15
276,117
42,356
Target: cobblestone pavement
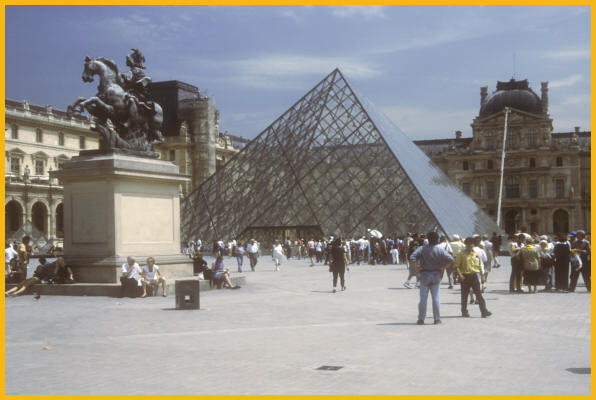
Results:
x,y
271,336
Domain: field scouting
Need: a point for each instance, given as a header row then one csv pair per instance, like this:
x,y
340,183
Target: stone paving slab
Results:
x,y
271,336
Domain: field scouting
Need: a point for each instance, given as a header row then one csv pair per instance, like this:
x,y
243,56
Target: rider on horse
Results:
x,y
135,82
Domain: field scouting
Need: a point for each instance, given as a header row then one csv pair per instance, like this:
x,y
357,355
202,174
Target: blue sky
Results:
x,y
422,65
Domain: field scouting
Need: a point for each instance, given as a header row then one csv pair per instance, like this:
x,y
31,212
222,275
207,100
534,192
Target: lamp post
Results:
x,y
507,109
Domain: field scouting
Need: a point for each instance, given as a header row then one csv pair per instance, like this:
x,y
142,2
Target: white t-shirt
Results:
x,y
278,251
136,272
151,275
9,254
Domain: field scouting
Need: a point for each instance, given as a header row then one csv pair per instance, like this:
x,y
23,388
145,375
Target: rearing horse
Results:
x,y
114,103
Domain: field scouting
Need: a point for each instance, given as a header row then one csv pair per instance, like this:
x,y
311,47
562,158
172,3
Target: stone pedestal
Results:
x,y
118,205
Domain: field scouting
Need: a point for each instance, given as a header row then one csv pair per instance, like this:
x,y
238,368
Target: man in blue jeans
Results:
x,y
431,260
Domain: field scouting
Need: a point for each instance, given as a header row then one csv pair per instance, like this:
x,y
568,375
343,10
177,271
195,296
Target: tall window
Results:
x,y
510,140
60,139
532,138
466,188
15,165
512,188
532,163
466,165
38,135
38,167
489,164
559,161
533,188
490,140
490,190
172,155
14,132
560,188
81,142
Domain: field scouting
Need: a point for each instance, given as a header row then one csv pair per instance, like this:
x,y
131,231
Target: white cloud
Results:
x,y
424,123
568,54
569,81
576,100
283,71
368,12
291,14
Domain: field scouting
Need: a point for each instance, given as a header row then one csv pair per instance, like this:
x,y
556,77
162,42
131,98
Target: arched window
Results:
x,y
560,221
13,217
40,217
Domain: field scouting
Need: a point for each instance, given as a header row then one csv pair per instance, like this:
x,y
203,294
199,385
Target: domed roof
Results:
x,y
514,94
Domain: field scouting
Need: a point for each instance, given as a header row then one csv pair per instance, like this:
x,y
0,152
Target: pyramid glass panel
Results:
x,y
331,164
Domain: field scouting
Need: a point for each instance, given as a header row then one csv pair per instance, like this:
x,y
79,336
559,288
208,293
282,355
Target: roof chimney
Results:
x,y
458,134
544,91
577,129
483,94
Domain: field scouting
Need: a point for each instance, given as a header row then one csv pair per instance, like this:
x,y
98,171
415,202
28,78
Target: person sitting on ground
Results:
x,y
57,271
131,278
38,276
152,276
198,264
222,274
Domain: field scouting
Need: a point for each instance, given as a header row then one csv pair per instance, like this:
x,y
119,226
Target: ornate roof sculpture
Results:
x,y
333,161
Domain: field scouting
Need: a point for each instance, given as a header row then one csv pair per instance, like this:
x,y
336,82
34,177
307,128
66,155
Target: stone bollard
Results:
x,y
187,294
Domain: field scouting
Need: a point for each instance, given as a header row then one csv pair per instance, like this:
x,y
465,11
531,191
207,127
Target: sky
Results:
x,y
423,66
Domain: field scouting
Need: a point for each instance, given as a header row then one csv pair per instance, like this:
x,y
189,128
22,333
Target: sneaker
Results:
x,y
465,314
420,322
438,321
343,288
408,285
487,314
334,290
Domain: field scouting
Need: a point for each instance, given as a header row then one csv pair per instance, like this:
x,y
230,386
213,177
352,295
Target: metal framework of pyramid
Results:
x,y
330,164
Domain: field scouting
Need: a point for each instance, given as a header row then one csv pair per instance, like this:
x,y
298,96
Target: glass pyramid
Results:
x,y
331,164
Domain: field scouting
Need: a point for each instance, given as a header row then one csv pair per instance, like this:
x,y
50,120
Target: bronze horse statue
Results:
x,y
134,127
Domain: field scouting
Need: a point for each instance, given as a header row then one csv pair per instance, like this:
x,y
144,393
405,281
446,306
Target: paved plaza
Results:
x,y
273,335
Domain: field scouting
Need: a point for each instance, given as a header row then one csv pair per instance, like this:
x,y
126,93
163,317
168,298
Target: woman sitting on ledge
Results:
x,y
221,274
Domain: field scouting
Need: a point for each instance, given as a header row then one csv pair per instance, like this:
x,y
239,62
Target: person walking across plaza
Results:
x,y
562,257
253,253
432,259
278,254
515,279
239,253
467,265
338,263
582,248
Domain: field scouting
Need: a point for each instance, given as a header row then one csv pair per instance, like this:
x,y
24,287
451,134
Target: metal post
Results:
x,y
502,167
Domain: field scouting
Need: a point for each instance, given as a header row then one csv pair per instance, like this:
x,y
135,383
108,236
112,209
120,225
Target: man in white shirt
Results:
x,y
131,278
10,258
252,248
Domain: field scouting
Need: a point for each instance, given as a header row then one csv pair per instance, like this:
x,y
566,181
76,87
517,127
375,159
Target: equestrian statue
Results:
x,y
125,116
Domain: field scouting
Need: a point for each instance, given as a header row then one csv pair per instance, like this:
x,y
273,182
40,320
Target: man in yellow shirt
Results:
x,y
467,265
23,251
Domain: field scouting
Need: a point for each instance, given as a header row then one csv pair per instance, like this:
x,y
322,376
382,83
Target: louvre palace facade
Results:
x,y
546,186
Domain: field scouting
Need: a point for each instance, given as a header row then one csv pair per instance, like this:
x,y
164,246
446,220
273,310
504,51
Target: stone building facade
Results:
x,y
38,140
546,186
191,130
